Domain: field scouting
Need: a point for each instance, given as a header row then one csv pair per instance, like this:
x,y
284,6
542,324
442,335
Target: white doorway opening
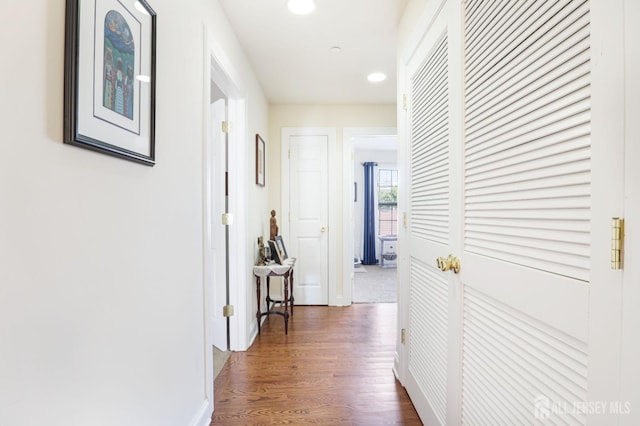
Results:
x,y
376,144
224,177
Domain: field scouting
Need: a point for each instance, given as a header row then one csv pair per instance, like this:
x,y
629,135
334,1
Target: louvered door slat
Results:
x,y
519,172
573,226
511,359
527,141
428,325
573,109
525,72
555,66
511,47
488,12
429,147
566,139
527,197
570,84
483,47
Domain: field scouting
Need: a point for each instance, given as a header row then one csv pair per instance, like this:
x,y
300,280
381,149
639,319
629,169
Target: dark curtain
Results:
x,y
369,252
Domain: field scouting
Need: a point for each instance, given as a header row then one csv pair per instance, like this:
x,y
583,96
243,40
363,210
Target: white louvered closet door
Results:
x,y
507,340
527,186
430,133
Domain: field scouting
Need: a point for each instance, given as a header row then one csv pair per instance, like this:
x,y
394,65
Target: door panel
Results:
x,y
308,209
526,209
511,360
215,261
429,303
527,145
428,321
509,191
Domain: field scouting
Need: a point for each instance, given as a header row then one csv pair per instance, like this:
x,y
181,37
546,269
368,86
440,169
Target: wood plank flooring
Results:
x,y
334,368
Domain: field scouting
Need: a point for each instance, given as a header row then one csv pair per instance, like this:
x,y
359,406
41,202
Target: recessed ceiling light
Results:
x,y
301,7
376,77
335,49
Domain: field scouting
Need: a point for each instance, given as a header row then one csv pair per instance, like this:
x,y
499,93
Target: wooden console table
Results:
x,y
274,270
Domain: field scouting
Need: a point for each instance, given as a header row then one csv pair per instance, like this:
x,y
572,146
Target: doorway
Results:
x,y
217,259
371,279
224,203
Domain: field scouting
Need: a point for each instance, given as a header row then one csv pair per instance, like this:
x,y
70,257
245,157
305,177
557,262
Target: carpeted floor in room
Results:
x,y
219,360
373,284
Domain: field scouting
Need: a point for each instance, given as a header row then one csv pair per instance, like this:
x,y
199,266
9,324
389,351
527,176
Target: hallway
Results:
x,y
334,367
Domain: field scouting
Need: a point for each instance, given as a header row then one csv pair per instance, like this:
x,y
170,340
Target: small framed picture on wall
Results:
x,y
260,166
110,78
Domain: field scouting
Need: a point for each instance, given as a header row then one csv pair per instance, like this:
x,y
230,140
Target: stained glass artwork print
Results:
x,y
119,63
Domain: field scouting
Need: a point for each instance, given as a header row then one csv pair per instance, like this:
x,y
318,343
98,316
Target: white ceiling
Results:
x,y
291,55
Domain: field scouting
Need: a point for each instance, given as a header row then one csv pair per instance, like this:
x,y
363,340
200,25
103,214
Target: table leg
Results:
x,y
286,303
291,289
258,315
268,298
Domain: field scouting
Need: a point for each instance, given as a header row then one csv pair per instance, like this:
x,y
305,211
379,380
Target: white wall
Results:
x,y
385,160
101,306
338,116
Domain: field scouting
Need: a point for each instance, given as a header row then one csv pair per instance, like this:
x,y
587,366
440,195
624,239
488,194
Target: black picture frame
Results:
x,y
281,248
110,78
275,253
260,160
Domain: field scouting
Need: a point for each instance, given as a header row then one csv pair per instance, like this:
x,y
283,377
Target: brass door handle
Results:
x,y
450,263
323,229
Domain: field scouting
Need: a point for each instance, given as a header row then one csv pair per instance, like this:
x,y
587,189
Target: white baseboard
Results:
x,y
396,367
203,416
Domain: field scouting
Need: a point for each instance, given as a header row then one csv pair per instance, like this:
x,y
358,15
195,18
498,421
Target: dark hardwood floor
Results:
x,y
334,368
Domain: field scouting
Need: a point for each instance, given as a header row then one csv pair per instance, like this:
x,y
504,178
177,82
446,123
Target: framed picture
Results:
x,y
260,153
281,247
110,73
275,253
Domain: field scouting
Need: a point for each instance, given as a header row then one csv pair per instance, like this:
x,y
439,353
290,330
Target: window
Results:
x,y
387,202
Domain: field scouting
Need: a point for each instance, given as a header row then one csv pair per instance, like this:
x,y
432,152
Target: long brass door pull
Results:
x,y
450,263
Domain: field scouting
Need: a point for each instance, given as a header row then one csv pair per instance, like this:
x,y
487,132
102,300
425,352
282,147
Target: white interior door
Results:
x,y
308,230
509,184
430,305
215,261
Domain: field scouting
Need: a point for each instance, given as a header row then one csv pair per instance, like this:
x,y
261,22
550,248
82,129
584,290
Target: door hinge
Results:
x,y
227,218
405,103
404,220
617,243
289,154
226,126
227,311
403,336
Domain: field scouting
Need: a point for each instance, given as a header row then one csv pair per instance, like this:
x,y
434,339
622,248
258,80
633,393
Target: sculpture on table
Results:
x,y
261,257
273,226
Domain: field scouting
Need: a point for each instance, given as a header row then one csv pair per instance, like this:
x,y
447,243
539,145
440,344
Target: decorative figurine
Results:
x,y
261,258
274,226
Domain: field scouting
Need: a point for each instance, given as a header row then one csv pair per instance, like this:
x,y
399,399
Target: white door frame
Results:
x,y
630,391
348,177
218,68
335,299
225,76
